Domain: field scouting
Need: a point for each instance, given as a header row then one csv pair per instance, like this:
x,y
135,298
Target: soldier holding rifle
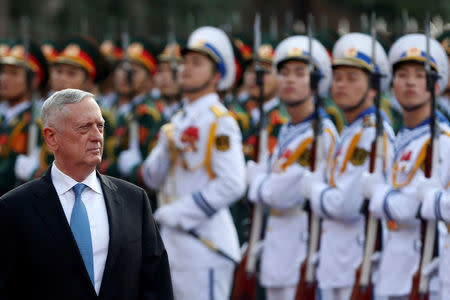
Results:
x,y
338,198
397,200
201,148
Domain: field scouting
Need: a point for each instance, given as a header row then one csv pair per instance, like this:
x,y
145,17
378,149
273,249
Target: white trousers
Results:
x,y
283,293
202,284
336,293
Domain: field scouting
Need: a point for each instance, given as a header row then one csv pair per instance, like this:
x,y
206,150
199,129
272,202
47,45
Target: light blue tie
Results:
x,y
79,223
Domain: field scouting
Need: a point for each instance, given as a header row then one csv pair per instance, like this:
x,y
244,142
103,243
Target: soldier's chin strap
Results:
x,y
201,87
360,102
298,102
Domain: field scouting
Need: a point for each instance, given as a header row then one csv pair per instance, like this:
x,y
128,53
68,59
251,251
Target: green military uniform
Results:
x,y
144,109
16,119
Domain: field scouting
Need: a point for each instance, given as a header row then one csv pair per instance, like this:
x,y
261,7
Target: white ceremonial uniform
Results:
x,y
286,236
208,174
339,203
398,203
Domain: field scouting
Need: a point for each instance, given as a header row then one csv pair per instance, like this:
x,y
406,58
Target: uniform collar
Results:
x,y
271,104
203,102
11,112
64,183
368,111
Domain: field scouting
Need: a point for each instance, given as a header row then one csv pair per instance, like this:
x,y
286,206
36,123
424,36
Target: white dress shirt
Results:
x,y
94,202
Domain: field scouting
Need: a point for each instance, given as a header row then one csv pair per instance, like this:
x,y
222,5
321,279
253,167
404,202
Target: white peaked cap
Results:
x,y
412,47
214,43
355,49
297,48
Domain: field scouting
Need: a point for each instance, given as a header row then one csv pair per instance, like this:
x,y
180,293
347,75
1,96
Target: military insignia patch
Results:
x,y
359,156
305,158
222,142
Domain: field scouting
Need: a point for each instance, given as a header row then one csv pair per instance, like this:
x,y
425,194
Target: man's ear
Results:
x,y
50,138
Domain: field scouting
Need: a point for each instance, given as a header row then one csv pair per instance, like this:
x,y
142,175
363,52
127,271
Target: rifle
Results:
x,y
306,288
245,275
420,288
362,288
33,129
210,245
133,127
172,43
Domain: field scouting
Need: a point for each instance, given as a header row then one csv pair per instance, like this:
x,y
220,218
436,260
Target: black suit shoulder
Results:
x,y
22,194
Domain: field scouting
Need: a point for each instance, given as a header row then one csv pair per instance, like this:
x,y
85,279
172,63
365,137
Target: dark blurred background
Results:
x,y
51,19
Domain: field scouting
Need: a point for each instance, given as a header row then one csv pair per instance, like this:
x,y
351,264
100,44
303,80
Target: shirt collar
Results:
x,y
64,183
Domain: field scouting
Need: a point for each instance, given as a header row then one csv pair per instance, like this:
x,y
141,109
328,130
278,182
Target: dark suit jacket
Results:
x,y
39,258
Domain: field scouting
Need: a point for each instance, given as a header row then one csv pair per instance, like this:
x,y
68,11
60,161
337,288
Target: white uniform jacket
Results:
x,y
204,162
339,202
398,203
286,236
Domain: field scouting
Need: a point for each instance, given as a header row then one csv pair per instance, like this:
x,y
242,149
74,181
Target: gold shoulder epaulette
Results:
x,y
218,111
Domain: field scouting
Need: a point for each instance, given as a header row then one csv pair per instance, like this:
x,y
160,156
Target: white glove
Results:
x,y
370,182
165,216
128,159
426,191
26,165
309,179
427,187
254,169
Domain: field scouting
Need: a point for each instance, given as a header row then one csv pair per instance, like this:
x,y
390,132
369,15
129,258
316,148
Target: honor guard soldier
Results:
x,y
273,108
23,71
444,100
113,52
139,117
397,199
199,164
276,185
4,48
166,79
231,99
338,199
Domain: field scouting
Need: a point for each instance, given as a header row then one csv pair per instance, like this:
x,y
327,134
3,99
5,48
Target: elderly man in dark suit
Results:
x,y
76,234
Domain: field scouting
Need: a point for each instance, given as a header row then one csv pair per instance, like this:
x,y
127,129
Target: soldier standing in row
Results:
x,y
272,107
23,71
166,79
396,199
201,149
338,199
276,184
134,78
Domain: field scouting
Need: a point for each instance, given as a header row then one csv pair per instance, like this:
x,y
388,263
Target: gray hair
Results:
x,y
54,104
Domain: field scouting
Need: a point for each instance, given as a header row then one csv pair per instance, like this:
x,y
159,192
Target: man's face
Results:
x,y
293,81
164,80
64,76
12,81
349,86
409,85
140,79
270,81
195,71
79,139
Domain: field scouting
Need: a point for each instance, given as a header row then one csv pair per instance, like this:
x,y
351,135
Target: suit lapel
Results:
x,y
114,209
48,207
